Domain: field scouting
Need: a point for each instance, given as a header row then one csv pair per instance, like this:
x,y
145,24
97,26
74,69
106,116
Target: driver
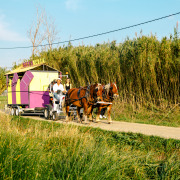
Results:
x,y
58,86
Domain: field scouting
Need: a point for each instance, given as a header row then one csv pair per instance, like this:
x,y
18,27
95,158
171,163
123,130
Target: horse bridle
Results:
x,y
111,98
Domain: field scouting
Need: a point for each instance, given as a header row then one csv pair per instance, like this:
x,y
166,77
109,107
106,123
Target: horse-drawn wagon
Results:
x,y
29,91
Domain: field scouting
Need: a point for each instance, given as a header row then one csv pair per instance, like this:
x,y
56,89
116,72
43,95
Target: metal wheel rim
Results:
x,y
45,113
17,112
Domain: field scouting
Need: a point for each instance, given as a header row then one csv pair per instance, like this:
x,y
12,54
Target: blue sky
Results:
x,y
79,18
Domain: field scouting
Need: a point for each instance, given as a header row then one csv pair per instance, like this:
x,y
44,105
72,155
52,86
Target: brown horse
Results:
x,y
110,91
82,97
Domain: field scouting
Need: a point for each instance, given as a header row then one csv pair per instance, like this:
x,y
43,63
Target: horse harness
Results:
x,y
78,94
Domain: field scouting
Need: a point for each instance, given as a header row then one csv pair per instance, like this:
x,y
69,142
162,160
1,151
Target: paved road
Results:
x,y
146,129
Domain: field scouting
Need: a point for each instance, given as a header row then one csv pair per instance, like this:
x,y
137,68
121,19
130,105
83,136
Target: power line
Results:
x,y
95,35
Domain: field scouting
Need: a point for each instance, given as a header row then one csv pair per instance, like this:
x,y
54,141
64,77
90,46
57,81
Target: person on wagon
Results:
x,y
50,87
56,87
68,85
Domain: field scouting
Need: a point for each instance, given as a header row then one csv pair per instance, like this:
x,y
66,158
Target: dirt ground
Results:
x,y
146,129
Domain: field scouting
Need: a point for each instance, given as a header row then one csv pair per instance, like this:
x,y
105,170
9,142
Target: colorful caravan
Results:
x,y
28,86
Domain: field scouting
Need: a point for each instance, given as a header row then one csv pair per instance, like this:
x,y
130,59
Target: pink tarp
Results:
x,y
38,98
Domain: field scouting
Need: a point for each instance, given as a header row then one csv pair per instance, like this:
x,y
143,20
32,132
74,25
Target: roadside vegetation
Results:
x,y
31,149
164,116
3,102
2,79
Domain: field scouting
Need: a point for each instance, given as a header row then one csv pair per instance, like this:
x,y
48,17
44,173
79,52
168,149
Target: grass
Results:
x,y
166,116
31,149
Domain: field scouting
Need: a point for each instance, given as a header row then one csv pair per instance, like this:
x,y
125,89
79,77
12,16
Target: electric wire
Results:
x,y
95,35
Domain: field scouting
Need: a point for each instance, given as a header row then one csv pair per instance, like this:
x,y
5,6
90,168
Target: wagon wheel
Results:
x,y
55,116
46,114
16,111
12,111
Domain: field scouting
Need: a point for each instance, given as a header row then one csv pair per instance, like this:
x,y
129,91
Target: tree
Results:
x,y
43,30
51,32
36,32
2,79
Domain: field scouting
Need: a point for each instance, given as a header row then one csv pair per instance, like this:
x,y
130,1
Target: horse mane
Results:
x,y
107,87
98,85
115,85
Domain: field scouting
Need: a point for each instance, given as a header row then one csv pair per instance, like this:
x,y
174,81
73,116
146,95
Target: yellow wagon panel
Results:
x,y
41,80
10,92
18,94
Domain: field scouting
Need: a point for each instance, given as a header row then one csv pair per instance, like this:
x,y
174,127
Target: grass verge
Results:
x,y
166,116
31,149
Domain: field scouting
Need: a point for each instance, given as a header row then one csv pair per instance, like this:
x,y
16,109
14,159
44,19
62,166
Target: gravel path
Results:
x,y
146,129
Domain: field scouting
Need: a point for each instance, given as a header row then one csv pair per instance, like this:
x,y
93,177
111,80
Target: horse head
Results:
x,y
114,90
97,91
111,90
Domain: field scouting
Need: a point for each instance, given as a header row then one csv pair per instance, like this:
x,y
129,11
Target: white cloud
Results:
x,y
72,4
7,34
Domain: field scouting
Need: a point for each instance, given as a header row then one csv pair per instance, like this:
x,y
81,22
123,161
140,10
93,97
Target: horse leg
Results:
x,y
98,114
63,105
85,113
78,114
90,109
67,113
109,114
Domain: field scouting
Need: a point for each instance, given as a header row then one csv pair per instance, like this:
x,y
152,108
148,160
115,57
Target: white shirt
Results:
x,y
56,87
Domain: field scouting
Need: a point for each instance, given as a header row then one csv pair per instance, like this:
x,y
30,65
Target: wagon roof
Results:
x,y
24,69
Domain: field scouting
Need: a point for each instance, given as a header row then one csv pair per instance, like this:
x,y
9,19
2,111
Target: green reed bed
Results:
x,y
146,69
31,149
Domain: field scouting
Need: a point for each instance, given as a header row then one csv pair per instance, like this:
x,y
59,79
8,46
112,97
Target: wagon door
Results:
x,y
24,87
